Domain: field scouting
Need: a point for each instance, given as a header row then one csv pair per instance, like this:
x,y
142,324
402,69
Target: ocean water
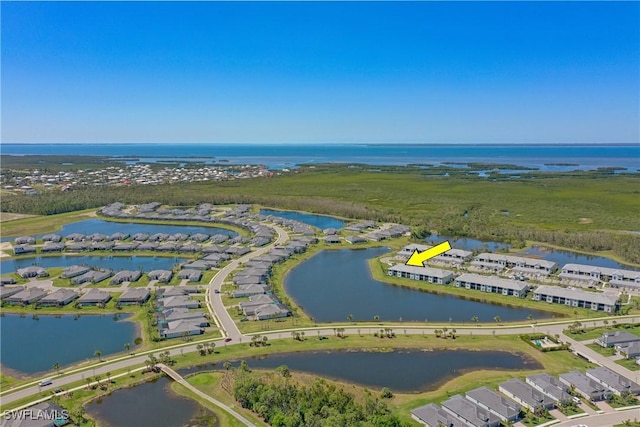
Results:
x,y
543,157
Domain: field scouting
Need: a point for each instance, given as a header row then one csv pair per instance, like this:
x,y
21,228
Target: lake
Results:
x,y
149,404
320,221
334,283
32,346
116,263
402,370
467,243
90,226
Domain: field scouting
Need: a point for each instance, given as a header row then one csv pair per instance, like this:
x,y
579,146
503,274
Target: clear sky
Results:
x,y
412,72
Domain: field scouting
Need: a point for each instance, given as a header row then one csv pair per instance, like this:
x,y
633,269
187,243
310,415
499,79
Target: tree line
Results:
x,y
282,402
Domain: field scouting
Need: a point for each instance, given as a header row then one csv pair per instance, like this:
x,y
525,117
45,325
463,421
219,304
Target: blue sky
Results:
x,y
411,72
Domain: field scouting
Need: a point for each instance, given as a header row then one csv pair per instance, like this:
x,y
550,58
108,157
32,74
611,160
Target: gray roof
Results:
x,y
613,380
492,281
470,412
94,295
135,294
550,386
425,271
503,407
7,291
515,260
588,269
59,296
435,416
576,294
583,383
610,339
527,394
28,294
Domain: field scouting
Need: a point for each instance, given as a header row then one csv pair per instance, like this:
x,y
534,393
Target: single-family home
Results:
x,y
59,298
432,415
33,271
472,414
74,270
26,296
506,409
94,297
427,274
23,249
125,276
7,291
612,339
190,275
271,311
53,247
249,290
180,328
134,296
162,276
178,301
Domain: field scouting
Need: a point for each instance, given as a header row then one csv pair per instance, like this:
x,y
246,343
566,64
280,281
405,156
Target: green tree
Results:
x,y
97,354
127,347
56,367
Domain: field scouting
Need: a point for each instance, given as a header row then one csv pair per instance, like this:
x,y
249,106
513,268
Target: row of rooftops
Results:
x,y
483,407
178,313
24,296
492,261
542,292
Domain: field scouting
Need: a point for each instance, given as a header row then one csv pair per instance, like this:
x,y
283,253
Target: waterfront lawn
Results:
x,y
593,333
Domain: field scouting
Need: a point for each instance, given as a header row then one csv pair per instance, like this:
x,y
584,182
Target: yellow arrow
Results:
x,y
418,258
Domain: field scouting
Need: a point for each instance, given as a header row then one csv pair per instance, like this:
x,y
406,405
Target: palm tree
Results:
x,y
475,319
498,319
97,354
350,317
56,367
127,346
108,374
226,365
376,318
264,340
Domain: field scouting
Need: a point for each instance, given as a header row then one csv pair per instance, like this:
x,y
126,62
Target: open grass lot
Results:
x,y
46,224
6,217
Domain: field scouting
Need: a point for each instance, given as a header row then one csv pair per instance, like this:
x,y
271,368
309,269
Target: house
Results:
x,y
23,249
7,281
181,328
7,291
271,311
434,416
613,339
80,246
355,239
162,276
585,386
25,240
492,284
237,250
426,274
140,237
159,237
76,237
249,307
629,351
180,301
183,313
249,290
126,246
92,277
53,247
260,241
29,272
550,386
125,276
190,275
613,381
526,395
190,247
44,414
408,250
167,247
199,237
332,239
135,296
119,236
94,297
505,409
52,238
172,292
465,410
74,270
97,237
576,298
26,296
59,298
198,265
147,246
330,231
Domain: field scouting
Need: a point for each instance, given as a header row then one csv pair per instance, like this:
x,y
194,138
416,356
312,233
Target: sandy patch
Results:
x,y
8,216
585,220
5,246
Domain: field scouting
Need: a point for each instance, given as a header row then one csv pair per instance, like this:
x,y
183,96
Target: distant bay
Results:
x,y
553,158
